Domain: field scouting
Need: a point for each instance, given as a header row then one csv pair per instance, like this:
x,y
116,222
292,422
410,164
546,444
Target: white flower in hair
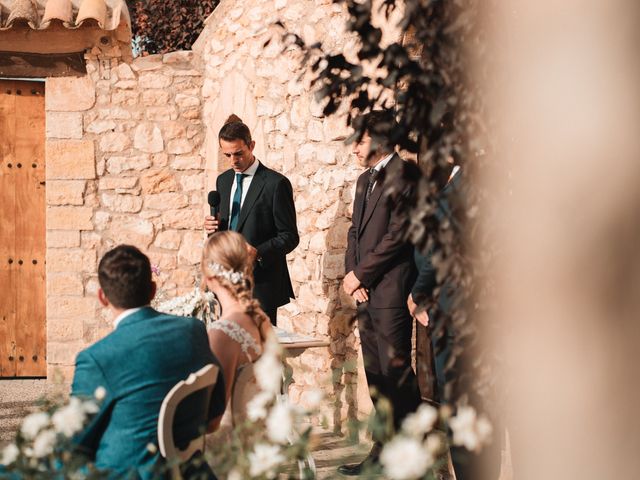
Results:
x,y
232,276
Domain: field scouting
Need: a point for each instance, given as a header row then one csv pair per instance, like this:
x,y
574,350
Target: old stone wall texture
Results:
x,y
124,165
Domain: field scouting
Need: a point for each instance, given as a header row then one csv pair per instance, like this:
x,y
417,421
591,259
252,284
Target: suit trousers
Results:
x,y
385,336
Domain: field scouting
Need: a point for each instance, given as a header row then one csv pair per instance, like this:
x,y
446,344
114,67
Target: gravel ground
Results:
x,y
17,399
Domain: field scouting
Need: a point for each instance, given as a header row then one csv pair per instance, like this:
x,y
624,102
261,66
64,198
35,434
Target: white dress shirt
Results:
x,y
246,183
380,165
125,314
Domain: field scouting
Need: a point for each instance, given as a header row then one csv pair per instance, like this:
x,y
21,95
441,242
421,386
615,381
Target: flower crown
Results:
x,y
232,276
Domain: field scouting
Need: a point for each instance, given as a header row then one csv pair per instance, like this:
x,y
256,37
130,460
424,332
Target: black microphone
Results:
x,y
214,203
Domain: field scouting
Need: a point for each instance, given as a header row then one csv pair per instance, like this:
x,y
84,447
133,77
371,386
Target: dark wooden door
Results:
x,y
22,230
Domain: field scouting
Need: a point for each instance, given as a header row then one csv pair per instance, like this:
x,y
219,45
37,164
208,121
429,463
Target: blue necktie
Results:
x,y
237,200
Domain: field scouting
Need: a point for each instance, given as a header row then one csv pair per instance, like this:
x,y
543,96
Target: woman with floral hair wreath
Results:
x,y
237,339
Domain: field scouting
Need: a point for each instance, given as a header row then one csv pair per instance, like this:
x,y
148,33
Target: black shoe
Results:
x,y
369,464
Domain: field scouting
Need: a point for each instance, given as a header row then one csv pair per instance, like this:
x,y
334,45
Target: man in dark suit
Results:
x,y
138,364
380,273
258,203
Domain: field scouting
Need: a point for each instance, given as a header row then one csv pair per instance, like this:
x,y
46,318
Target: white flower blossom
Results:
x,y
405,458
264,460
33,423
420,422
268,369
43,444
314,398
433,443
280,423
257,406
234,474
100,393
469,430
70,418
9,454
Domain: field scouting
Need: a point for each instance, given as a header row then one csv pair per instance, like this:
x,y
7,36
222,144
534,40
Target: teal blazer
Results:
x,y
138,363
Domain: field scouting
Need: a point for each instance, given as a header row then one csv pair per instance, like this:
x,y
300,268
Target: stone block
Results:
x,y
148,63
69,218
117,165
65,329
314,131
158,181
64,125
71,307
64,353
101,126
177,58
187,162
179,146
161,113
168,239
155,97
121,203
187,101
124,72
71,260
132,230
174,129
65,192
63,238
185,219
126,85
114,142
333,265
161,201
192,183
70,159
70,94
148,138
117,183
60,376
191,248
154,80
64,284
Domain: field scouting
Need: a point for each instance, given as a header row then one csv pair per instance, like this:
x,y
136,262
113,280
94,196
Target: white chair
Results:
x,y
203,379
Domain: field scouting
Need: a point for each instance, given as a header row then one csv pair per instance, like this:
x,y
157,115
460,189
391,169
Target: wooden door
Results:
x,y
22,230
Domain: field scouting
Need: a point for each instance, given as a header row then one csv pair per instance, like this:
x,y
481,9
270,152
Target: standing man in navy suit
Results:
x,y
138,364
258,203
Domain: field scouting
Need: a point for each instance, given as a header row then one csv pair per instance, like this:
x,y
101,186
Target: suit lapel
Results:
x,y
225,194
375,195
257,184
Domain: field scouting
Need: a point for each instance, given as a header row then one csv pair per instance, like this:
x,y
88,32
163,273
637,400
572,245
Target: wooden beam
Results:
x,y
35,65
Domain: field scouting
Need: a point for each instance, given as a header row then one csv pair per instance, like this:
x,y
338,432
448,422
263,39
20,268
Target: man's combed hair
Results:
x,y
234,129
124,274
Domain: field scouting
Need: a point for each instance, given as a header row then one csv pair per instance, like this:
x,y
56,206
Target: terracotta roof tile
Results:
x,y
40,14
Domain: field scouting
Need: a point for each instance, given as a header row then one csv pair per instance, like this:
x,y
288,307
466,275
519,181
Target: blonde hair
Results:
x,y
226,257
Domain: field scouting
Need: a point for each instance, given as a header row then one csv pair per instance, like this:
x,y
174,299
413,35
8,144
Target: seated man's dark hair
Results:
x,y
235,129
124,274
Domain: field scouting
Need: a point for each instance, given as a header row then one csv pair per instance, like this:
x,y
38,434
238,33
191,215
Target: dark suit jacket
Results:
x,y
268,222
138,363
376,251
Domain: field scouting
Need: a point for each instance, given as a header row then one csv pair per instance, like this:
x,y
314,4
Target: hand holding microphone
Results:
x,y
211,221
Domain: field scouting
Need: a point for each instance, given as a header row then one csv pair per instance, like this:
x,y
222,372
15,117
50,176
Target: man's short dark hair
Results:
x,y
235,129
382,126
124,274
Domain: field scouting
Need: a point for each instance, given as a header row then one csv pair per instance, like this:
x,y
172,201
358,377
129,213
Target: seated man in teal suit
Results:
x,y
138,363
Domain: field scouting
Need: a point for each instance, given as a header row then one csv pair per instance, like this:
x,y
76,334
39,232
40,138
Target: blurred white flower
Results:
x,y
70,418
43,444
268,369
234,475
100,393
90,407
314,398
257,406
405,458
33,423
433,443
9,454
420,422
469,430
280,423
264,460
151,448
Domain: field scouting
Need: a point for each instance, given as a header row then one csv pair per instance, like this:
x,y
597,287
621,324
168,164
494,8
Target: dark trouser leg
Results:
x,y
370,356
273,315
392,337
425,365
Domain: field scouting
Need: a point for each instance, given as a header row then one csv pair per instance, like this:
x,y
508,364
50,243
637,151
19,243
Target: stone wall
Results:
x,y
124,165
261,86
